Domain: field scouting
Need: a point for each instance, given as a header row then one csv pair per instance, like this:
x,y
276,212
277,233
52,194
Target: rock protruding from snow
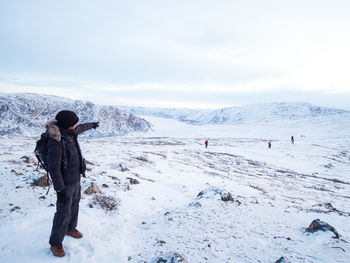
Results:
x,y
93,189
226,196
171,258
43,181
317,225
195,204
214,193
28,159
133,181
27,114
282,260
123,168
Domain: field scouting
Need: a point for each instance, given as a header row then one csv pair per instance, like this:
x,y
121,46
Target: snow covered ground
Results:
x,y
277,193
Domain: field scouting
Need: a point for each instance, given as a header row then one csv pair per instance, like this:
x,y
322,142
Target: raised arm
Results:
x,y
86,126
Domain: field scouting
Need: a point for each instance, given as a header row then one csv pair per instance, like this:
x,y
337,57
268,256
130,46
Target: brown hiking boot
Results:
x,y
75,233
58,251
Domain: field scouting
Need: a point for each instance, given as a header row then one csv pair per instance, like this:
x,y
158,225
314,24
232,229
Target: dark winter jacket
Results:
x,y
65,167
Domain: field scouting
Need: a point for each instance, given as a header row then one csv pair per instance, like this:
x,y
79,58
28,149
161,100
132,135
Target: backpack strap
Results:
x,y
48,182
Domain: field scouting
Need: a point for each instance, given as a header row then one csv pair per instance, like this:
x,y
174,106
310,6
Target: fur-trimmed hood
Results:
x,y
53,130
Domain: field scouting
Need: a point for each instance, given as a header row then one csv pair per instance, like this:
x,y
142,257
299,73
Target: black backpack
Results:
x,y
40,151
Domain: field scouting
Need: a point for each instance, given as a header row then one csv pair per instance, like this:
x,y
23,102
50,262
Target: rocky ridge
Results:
x,y
27,114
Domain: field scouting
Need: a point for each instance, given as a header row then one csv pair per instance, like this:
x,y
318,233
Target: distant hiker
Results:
x,y
65,165
292,139
206,144
269,144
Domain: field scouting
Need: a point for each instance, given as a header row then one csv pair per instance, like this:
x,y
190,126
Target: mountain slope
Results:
x,y
247,114
26,114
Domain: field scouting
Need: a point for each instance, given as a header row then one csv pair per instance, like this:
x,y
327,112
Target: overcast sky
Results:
x,y
179,53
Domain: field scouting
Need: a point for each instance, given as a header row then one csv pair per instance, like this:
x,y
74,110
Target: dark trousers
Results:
x,y
66,216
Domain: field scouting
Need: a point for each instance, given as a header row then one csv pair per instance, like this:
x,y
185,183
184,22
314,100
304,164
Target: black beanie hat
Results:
x,y
66,119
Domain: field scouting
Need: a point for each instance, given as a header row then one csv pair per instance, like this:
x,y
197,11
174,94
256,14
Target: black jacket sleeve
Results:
x,y
83,127
54,161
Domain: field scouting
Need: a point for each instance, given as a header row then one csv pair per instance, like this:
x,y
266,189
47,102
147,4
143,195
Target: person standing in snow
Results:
x,y
206,144
65,166
269,144
292,139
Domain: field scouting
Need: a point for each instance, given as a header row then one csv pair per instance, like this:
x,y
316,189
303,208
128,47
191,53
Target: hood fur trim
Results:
x,y
53,130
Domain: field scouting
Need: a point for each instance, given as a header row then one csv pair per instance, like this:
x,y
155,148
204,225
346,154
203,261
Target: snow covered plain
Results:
x,y
277,193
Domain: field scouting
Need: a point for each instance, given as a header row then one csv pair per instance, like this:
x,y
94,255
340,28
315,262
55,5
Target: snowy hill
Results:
x,y
26,114
170,191
267,112
276,193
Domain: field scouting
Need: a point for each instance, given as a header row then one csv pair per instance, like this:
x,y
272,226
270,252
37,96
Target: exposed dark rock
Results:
x,y
123,168
15,208
93,189
43,197
226,196
161,242
282,260
133,181
143,159
329,165
196,204
329,206
212,193
105,185
171,258
42,181
317,225
326,208
28,159
17,173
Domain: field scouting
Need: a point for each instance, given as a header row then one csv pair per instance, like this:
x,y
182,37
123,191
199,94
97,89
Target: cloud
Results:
x,y
184,50
206,95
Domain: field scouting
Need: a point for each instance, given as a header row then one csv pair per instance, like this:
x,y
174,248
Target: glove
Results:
x,y
96,124
62,196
